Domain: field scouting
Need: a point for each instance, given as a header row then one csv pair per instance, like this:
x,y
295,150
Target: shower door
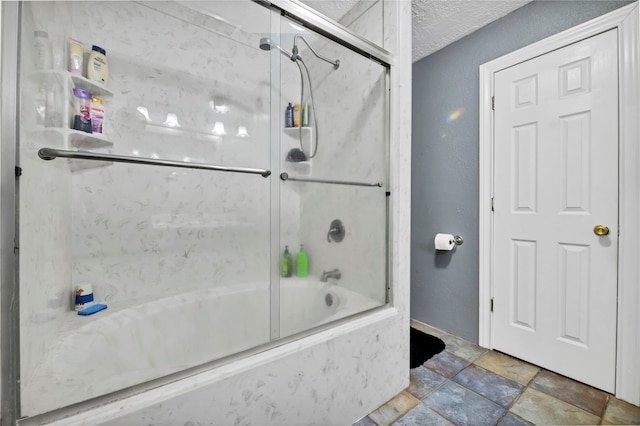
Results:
x,y
180,255
334,180
173,214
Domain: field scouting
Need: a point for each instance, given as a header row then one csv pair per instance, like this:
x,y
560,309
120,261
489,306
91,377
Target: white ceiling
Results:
x,y
436,23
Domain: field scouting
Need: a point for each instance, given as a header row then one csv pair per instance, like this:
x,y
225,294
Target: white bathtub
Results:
x,y
305,304
116,349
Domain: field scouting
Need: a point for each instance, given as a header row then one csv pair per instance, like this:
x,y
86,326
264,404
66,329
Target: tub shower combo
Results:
x,y
178,212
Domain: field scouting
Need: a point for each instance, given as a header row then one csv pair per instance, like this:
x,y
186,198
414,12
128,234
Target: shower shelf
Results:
x,y
52,76
71,138
299,167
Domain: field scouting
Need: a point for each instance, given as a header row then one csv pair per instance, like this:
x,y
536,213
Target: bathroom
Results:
x,y
148,252
177,253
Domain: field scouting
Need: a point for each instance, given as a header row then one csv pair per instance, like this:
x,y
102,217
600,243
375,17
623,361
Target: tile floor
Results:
x,y
469,385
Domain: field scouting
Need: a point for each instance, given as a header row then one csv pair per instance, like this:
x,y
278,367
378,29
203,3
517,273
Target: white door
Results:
x,y
556,179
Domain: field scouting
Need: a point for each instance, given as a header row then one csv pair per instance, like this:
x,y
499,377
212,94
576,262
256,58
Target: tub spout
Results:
x,y
331,274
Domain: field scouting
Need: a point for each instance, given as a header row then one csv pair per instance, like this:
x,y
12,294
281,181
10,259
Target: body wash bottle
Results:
x,y
286,263
302,262
288,117
97,67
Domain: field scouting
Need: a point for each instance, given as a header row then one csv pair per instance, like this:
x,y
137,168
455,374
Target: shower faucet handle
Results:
x,y
336,231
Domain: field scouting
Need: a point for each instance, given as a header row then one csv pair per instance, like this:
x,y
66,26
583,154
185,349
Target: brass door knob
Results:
x,y
601,230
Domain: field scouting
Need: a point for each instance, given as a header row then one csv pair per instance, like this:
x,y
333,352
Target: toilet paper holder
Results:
x,y
458,240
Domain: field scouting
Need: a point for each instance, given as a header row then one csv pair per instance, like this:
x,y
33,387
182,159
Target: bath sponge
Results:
x,y
296,155
92,309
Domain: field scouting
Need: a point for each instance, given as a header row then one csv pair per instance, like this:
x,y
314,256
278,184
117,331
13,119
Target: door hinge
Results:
x,y
18,171
492,304
493,103
493,209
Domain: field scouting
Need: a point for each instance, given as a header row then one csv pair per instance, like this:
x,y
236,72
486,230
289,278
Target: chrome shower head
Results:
x,y
265,43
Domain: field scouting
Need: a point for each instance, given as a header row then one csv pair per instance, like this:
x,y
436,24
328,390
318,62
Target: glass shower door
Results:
x,y
333,181
180,255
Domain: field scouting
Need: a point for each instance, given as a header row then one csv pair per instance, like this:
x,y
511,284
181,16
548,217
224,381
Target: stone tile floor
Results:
x,y
469,385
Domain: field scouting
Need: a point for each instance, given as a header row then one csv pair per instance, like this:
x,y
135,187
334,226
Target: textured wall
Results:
x,y
444,287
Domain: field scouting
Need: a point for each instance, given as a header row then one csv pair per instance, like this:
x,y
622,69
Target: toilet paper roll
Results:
x,y
444,242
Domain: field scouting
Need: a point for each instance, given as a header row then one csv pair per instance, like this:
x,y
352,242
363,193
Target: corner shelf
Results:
x,y
93,87
50,76
71,138
300,167
297,129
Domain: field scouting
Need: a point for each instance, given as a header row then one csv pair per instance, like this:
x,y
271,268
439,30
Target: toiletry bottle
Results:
x,y
305,115
42,50
97,68
82,110
286,263
76,53
302,263
288,116
83,296
97,114
296,115
56,99
41,104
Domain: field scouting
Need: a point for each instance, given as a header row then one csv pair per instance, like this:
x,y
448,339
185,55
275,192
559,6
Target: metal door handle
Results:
x,y
601,230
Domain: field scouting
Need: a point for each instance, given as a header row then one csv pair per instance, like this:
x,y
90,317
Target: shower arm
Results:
x,y
295,55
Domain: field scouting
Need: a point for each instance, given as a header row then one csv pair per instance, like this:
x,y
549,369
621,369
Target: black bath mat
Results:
x,y
423,346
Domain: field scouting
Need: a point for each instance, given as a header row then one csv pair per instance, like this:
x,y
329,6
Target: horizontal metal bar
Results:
x,y
50,154
331,29
285,176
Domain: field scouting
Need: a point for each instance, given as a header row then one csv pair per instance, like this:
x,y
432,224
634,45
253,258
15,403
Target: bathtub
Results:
x,y
94,356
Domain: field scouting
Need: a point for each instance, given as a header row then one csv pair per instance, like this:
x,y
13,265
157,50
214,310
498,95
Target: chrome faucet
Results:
x,y
331,274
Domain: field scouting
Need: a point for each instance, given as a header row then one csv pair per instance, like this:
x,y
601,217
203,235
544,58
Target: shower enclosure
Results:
x,y
177,214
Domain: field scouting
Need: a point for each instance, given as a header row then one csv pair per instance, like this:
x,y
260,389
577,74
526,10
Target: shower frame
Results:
x,y
9,196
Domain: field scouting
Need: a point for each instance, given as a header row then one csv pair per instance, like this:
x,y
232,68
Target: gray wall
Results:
x,y
444,286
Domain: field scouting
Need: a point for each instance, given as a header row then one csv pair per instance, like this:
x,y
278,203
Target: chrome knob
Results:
x,y
601,230
336,231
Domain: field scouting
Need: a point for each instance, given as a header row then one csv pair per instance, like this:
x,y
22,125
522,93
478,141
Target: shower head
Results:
x,y
267,44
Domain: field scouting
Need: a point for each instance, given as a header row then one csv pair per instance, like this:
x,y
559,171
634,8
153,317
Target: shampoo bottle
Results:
x,y
296,115
286,263
302,262
288,116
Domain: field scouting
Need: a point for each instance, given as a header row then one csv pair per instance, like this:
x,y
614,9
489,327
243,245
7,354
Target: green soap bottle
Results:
x,y
286,263
302,263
